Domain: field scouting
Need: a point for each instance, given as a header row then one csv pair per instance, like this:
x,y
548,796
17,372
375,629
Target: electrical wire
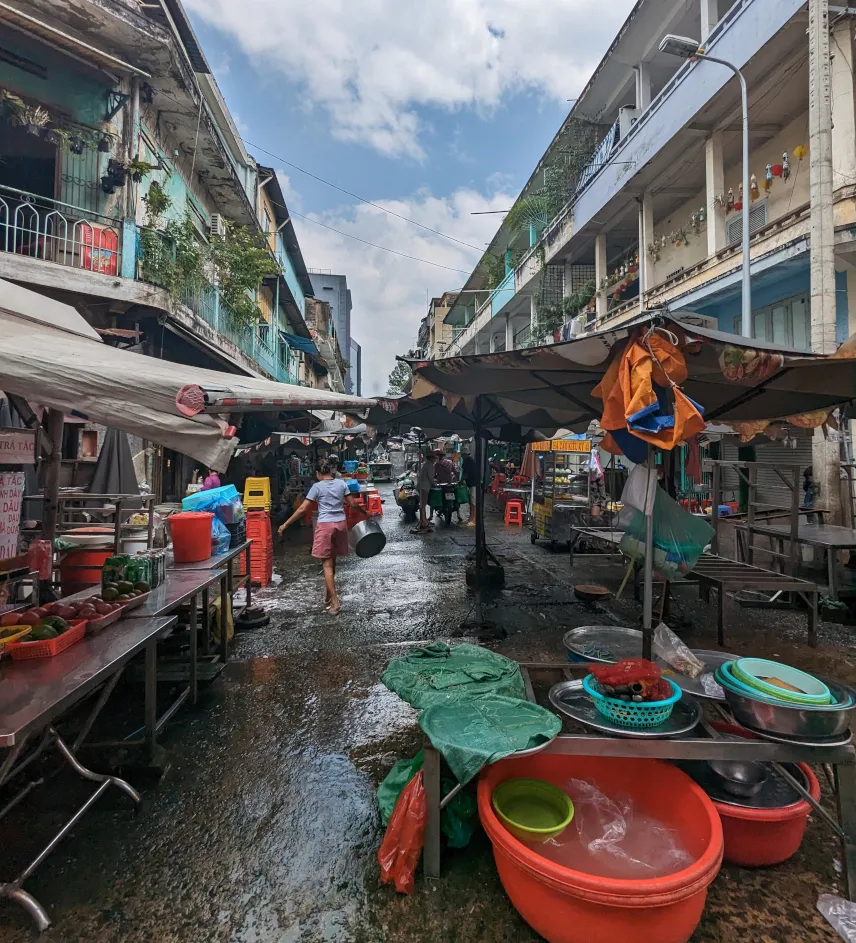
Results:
x,y
355,196
374,245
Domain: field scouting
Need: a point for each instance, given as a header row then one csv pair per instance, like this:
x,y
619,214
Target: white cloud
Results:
x,y
389,292
370,64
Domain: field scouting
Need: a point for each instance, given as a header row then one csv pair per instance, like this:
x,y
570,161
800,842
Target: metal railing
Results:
x,y
42,228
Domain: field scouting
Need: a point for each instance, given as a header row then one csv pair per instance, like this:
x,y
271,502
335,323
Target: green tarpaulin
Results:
x,y
476,731
437,674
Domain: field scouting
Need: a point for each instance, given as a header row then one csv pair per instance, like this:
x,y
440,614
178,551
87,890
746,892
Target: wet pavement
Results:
x,y
265,828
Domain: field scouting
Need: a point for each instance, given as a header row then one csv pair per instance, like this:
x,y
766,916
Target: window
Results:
x,y
268,222
785,323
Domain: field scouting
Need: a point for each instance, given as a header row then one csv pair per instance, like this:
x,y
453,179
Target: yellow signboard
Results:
x,y
562,445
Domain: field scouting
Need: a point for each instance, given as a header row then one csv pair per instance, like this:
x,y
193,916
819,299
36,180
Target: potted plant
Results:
x,y
108,184
76,145
36,119
138,169
116,172
104,143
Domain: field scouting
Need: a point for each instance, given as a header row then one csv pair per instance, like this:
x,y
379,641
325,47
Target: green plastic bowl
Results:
x,y
532,809
749,671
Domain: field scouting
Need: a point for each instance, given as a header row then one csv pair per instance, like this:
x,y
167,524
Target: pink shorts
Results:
x,y
330,540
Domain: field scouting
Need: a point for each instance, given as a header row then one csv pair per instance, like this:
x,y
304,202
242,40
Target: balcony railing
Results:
x,y
41,228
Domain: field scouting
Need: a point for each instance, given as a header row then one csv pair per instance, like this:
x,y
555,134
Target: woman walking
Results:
x,y
331,532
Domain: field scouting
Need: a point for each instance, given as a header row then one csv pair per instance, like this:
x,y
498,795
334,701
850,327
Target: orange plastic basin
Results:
x,y
759,838
567,906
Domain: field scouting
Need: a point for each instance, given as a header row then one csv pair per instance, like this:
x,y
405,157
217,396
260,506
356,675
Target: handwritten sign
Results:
x,y
17,447
11,492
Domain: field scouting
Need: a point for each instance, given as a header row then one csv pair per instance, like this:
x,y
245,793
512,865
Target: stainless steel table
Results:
x,y
33,697
828,537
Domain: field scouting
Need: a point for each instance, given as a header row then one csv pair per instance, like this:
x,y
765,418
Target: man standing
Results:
x,y
446,473
424,483
470,476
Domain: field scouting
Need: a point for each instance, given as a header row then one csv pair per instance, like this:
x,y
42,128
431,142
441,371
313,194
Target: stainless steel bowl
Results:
x,y
367,538
744,779
803,722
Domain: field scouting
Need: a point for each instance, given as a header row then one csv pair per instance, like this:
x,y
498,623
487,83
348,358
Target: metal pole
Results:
x,y
648,597
746,308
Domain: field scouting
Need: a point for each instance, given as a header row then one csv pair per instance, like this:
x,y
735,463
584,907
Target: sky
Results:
x,y
434,111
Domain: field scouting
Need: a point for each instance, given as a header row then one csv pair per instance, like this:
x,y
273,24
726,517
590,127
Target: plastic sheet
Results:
x,y
477,731
457,819
438,674
402,844
841,915
679,537
673,651
609,837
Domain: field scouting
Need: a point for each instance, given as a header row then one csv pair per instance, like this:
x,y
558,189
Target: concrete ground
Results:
x,y
265,829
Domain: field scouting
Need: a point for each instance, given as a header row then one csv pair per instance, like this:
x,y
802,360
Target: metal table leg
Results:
x,y
206,622
249,577
225,604
845,782
832,563
194,647
431,781
151,699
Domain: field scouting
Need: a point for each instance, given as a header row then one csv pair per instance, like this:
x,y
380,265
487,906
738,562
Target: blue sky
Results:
x,y
432,110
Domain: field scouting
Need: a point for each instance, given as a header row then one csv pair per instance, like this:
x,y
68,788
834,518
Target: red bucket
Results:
x,y
191,535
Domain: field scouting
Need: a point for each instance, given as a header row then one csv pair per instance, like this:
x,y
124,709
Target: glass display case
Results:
x,y
562,488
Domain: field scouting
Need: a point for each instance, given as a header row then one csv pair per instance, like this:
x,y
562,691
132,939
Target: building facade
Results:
x,y
121,168
334,290
355,368
652,218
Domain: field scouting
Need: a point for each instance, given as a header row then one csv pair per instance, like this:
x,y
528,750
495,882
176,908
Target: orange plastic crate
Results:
x,y
21,651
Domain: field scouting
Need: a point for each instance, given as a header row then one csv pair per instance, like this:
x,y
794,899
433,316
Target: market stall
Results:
x,y
563,493
650,384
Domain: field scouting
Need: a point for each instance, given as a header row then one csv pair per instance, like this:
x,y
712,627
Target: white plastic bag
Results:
x,y
841,914
673,651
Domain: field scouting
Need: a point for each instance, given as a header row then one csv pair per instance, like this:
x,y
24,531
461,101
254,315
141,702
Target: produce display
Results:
x,y
633,679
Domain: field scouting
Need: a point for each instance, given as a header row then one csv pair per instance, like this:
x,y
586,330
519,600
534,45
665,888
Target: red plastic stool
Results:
x,y
514,512
375,505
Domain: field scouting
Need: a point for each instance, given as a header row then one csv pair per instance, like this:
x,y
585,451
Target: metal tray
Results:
x,y
570,699
841,741
94,626
776,793
695,686
533,750
136,601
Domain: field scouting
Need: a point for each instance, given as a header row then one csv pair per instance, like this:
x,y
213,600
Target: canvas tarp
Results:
x,y
735,379
138,394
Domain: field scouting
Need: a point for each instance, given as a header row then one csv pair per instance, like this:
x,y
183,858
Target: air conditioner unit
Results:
x,y
218,225
696,320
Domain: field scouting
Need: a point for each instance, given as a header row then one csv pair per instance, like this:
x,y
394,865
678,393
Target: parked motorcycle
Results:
x,y
448,504
407,496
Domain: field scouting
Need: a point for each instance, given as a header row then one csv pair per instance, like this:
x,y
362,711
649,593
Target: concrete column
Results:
x,y
843,108
709,17
509,333
533,317
491,347
643,86
714,173
825,453
646,237
600,272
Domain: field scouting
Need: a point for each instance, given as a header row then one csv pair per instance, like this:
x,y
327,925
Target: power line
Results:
x,y
374,245
355,196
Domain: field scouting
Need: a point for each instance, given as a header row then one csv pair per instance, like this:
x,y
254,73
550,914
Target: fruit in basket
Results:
x,y
11,618
42,633
110,593
125,597
142,586
29,618
104,609
62,612
125,587
55,622
40,611
86,612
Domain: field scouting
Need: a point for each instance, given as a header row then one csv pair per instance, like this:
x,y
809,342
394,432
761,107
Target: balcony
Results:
x,y
36,227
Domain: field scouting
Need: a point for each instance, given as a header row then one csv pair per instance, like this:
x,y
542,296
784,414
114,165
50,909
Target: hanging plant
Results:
x,y
75,145
156,202
104,143
117,173
14,108
107,184
240,260
36,119
137,169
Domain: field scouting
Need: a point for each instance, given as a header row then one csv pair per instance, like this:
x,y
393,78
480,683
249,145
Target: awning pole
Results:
x,y
56,421
479,561
648,597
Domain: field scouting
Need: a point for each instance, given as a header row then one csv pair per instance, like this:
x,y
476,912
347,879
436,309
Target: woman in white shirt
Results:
x,y
331,532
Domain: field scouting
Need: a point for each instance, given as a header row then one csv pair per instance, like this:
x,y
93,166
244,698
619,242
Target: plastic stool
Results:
x,y
257,494
514,512
375,505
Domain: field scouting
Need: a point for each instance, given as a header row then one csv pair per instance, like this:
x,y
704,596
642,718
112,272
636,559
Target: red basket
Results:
x,y
21,651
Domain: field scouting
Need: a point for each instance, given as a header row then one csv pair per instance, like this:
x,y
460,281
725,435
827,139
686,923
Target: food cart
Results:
x,y
381,470
562,488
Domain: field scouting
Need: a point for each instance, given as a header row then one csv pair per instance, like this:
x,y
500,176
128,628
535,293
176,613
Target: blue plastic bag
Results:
x,y
220,536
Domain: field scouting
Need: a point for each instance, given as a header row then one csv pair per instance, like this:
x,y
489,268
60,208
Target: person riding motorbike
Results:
x,y
446,473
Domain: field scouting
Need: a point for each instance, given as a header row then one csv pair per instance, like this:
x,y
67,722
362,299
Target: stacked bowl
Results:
x,y
774,699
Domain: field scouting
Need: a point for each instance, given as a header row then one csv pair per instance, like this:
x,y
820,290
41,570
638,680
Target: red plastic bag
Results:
x,y
402,844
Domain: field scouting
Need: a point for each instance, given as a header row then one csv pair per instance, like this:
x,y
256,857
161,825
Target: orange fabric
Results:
x,y
628,388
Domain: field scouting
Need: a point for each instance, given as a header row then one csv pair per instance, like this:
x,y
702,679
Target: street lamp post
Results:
x,y
687,48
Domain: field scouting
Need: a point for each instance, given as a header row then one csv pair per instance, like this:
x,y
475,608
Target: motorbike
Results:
x,y
407,497
448,502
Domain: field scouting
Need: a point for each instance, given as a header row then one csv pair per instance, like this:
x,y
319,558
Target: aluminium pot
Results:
x,y
367,538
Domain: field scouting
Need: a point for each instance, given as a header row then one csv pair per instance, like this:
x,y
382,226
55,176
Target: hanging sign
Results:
x,y
562,445
17,446
11,492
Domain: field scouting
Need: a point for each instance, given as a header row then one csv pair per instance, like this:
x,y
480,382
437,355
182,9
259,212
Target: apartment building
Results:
x,y
652,217
121,167
334,290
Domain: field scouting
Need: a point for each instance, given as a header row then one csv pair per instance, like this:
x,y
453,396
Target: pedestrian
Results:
x,y
212,480
425,482
470,476
333,462
331,532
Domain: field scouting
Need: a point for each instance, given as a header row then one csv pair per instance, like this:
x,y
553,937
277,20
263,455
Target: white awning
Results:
x,y
155,399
